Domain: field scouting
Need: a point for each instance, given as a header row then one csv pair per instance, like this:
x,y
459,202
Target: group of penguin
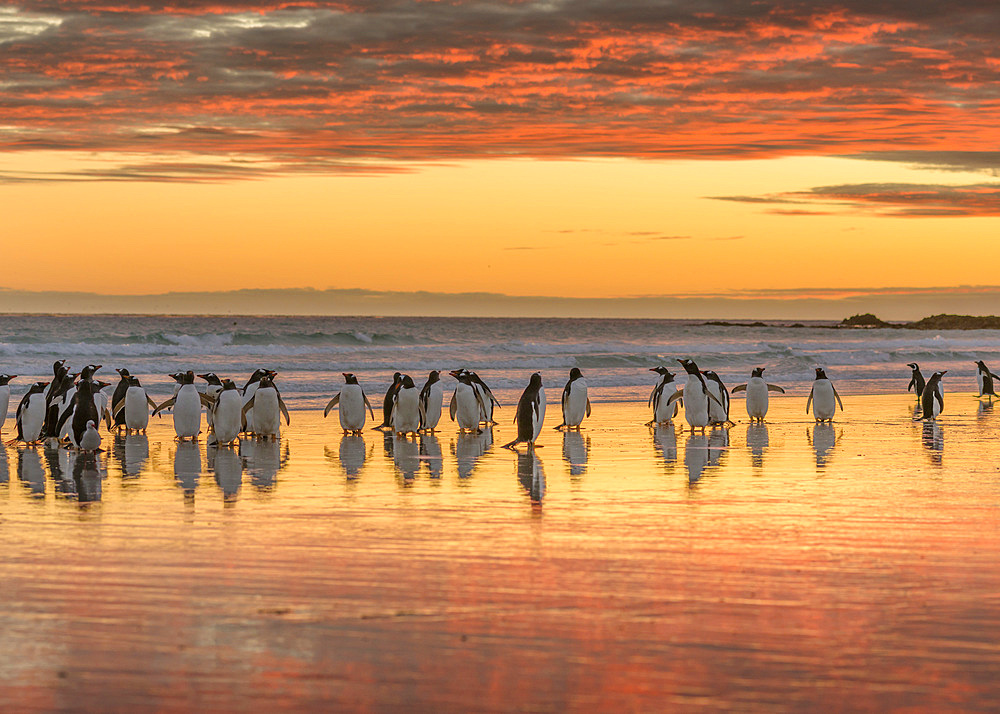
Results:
x,y
70,406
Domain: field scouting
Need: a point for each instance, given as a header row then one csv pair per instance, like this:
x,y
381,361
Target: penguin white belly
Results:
x,y
539,416
695,403
576,403
32,418
136,408
664,413
406,414
4,403
756,398
352,408
432,410
716,412
979,381
67,427
91,439
824,402
466,407
187,412
266,414
250,391
213,392
228,418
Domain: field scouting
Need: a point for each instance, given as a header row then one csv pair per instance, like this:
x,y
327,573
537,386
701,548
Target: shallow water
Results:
x,y
789,567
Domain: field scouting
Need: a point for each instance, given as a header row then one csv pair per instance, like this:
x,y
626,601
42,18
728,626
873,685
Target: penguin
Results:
x,y
67,405
211,391
932,399
227,414
118,398
248,391
431,399
30,414
59,370
718,411
984,380
57,400
405,417
530,413
82,411
186,405
822,396
916,380
387,401
268,408
697,396
757,388
466,404
575,401
486,397
133,409
660,396
5,397
352,400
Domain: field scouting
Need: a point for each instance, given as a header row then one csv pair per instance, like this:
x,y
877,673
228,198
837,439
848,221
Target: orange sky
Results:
x,y
562,148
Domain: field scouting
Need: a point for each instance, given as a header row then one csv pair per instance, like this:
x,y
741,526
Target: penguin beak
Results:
x,y
454,373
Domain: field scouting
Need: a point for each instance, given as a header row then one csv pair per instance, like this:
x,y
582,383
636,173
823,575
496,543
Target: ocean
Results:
x,y
310,353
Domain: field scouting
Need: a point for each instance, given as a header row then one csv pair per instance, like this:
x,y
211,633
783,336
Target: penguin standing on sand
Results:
x,y
431,399
133,409
5,397
248,391
696,395
118,398
30,414
985,381
757,389
186,405
718,411
466,404
823,397
916,380
227,411
83,411
211,391
56,400
387,401
575,401
352,400
268,408
530,413
405,417
932,399
660,396
486,397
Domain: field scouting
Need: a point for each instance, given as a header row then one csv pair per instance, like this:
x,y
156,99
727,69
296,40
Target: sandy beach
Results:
x,y
790,567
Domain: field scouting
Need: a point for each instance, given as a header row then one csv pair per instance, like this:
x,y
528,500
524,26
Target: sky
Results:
x,y
611,152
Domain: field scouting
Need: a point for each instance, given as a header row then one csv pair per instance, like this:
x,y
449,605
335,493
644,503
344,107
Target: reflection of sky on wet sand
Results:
x,y
330,572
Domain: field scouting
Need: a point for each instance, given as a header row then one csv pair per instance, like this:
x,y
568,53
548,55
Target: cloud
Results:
x,y
310,86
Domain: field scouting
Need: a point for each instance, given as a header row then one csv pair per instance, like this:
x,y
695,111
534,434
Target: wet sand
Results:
x,y
791,567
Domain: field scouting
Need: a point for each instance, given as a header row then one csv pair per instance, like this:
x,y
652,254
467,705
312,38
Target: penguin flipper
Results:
x,y
714,399
166,405
248,406
335,401
453,405
810,399
912,384
838,397
775,388
588,406
206,400
66,414
675,396
367,404
284,410
149,401
120,407
739,388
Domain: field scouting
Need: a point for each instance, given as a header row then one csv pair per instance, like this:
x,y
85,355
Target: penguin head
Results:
x,y
57,365
99,385
689,366
211,378
265,382
913,365
133,381
177,377
575,373
228,384
406,382
271,374
821,373
349,378
37,387
87,373
981,365
758,372
938,375
5,378
396,376
187,377
662,371
124,373
433,377
536,380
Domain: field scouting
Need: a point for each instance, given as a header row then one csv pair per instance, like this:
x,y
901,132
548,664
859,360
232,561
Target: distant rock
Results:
x,y
723,323
867,320
956,322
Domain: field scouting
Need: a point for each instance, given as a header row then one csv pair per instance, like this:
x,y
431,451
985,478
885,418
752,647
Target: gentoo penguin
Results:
x,y
984,380
352,400
466,405
67,405
5,397
823,397
58,399
30,414
530,413
118,398
227,414
932,399
916,381
82,410
186,405
660,396
696,396
575,401
268,408
486,397
248,391
757,389
718,410
387,401
405,417
59,370
211,391
431,399
133,409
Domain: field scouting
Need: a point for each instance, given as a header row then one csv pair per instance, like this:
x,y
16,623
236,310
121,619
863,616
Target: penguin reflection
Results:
x,y
985,409
430,454
406,457
227,465
665,442
264,459
4,465
352,454
933,440
695,456
132,452
757,442
575,451
187,466
531,474
822,439
718,445
87,476
30,470
468,448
